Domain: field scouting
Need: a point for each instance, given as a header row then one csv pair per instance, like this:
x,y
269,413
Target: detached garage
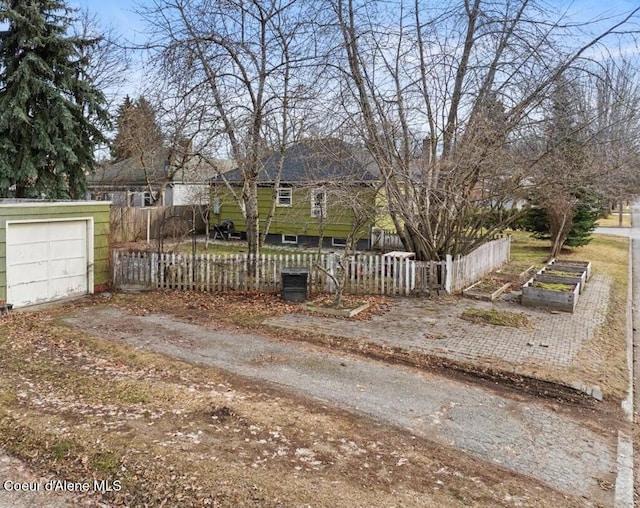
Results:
x,y
52,250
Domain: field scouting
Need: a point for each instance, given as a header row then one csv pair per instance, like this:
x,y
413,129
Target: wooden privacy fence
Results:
x,y
130,224
372,274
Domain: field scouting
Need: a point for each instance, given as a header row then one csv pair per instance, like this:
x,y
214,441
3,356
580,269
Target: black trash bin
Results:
x,y
294,284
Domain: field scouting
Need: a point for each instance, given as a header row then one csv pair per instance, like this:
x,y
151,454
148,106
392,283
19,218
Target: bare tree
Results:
x,y
356,201
417,81
199,195
343,188
615,98
586,149
108,61
244,61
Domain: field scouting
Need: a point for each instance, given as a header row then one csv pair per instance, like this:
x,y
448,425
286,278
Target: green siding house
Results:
x,y
52,249
327,190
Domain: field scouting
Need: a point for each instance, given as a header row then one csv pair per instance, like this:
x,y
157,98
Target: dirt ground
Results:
x,y
78,408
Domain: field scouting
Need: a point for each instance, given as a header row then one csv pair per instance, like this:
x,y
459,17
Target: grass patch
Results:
x,y
609,256
106,463
131,392
233,247
496,317
65,378
61,449
528,251
613,221
247,319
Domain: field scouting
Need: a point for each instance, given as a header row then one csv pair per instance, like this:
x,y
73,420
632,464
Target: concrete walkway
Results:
x,y
620,231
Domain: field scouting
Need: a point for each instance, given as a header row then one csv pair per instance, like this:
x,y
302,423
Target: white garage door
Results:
x,y
46,261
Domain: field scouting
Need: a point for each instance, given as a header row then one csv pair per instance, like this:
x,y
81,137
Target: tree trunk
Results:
x,y
559,237
620,213
250,197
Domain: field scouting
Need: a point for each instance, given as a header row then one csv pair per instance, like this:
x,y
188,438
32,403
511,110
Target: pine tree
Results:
x,y
583,221
118,145
51,114
563,200
138,132
585,218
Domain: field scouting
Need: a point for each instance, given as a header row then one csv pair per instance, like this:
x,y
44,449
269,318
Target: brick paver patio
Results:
x,y
434,327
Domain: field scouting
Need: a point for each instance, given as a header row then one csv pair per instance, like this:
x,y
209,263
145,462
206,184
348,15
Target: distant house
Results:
x,y
314,198
161,178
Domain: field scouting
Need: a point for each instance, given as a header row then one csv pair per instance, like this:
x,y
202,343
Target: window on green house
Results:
x,y
318,204
284,196
147,198
289,239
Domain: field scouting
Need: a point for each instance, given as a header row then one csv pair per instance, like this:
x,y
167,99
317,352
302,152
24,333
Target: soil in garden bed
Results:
x,y
488,285
553,286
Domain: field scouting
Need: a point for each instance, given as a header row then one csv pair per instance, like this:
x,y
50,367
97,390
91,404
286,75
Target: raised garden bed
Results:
x,y
570,265
486,289
555,275
550,295
514,272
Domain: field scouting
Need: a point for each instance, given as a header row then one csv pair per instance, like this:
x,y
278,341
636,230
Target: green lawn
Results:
x,y
528,250
238,247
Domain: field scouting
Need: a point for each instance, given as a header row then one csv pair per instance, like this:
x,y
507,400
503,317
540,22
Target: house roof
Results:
x,y
317,160
155,167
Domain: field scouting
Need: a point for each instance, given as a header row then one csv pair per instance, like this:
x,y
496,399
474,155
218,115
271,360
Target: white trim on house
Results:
x,y
39,203
318,203
338,242
288,239
284,197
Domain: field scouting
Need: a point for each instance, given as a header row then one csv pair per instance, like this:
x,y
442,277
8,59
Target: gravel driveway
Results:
x,y
521,434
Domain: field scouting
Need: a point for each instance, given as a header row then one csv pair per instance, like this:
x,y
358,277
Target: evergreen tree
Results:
x,y
583,221
118,146
138,132
563,200
50,111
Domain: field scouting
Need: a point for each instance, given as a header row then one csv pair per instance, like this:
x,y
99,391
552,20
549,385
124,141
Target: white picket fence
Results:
x,y
465,270
385,241
366,274
372,274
